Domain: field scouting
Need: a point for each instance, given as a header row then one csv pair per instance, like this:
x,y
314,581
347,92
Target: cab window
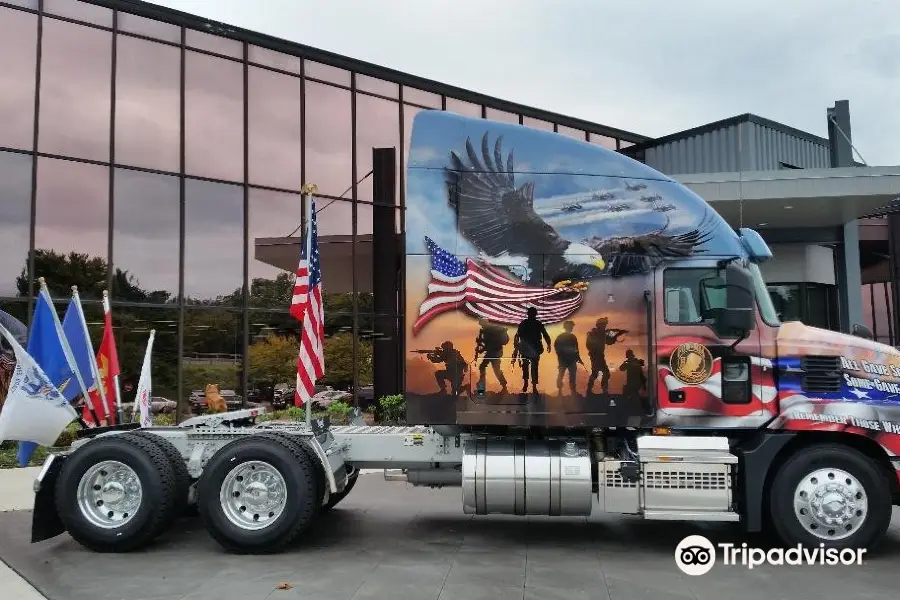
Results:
x,y
683,302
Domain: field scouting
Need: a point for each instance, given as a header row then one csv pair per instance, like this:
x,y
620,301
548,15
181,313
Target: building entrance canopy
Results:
x,y
793,198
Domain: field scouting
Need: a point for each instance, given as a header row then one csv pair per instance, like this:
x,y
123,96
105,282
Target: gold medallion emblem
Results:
x,y
691,363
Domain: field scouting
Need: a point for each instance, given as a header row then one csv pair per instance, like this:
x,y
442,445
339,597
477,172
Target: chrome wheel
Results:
x,y
831,504
109,494
253,495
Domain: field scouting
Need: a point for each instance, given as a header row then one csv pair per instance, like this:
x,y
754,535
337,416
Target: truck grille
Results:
x,y
821,374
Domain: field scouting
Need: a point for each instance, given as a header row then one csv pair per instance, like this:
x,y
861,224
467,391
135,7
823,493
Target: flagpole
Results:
x,y
94,371
120,414
67,350
308,191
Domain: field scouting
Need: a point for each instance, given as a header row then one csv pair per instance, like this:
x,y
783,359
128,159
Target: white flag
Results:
x,y
35,410
145,386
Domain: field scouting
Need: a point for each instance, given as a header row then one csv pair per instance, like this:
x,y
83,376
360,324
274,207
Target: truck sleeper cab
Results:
x,y
581,333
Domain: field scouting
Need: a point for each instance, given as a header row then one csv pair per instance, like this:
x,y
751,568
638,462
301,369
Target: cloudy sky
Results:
x,y
649,67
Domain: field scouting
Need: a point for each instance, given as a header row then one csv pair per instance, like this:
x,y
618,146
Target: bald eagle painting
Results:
x,y
628,229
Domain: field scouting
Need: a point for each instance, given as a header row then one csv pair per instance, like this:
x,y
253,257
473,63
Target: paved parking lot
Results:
x,y
390,541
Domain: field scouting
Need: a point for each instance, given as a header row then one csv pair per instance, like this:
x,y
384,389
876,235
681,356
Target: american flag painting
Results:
x,y
307,307
486,292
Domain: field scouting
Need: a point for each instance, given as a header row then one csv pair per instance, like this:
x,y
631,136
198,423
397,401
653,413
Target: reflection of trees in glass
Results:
x,y
213,330
786,298
89,273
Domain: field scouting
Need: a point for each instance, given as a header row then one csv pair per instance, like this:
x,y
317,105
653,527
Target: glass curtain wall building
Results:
x,y
160,157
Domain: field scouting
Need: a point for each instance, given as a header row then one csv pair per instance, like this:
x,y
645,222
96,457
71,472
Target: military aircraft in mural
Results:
x,y
513,230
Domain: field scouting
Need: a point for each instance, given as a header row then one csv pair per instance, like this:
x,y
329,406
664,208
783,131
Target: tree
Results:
x,y
273,359
339,361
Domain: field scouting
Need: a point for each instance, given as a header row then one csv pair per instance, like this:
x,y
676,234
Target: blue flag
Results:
x,y
45,346
75,329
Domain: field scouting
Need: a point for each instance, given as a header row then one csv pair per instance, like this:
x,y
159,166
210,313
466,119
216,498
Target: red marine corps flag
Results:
x,y
306,307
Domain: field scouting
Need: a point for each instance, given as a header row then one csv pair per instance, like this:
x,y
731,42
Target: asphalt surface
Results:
x,y
391,541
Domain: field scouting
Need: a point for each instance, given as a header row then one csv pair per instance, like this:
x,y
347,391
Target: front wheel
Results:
x,y
832,495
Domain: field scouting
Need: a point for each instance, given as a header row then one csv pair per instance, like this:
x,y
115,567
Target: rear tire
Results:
x,y
116,493
257,494
182,476
830,494
304,447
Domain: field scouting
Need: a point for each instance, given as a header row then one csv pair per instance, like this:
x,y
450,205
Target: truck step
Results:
x,y
378,429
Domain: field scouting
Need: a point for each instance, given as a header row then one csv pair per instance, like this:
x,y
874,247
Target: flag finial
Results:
x,y
309,188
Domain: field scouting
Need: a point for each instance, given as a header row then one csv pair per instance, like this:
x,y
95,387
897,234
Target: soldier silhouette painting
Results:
x,y
490,341
635,379
454,370
567,353
598,339
529,335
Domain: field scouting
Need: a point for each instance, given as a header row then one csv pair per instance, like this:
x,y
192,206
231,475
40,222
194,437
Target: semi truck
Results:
x,y
582,334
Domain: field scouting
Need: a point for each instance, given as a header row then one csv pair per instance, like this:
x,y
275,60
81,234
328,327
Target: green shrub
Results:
x,y
393,408
338,412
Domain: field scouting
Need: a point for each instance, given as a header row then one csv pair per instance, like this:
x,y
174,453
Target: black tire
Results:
x,y
155,512
321,482
291,463
830,456
334,499
182,476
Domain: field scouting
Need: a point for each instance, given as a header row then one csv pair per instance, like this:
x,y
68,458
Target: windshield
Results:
x,y
766,308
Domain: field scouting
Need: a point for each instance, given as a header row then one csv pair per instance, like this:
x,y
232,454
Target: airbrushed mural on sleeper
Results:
x,y
528,255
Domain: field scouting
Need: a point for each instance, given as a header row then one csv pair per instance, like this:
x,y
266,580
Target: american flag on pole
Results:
x,y
484,291
307,307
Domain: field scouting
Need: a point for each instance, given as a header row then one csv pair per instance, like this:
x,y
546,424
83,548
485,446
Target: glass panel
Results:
x,y
602,140
335,224
374,85
682,295
461,107
578,134
421,97
501,115
817,306
364,257
15,221
145,236
409,113
72,217
537,123
213,43
328,138
276,138
132,330
273,217
327,73
75,90
148,109
212,358
214,243
130,23
272,358
32,4
18,38
377,125
625,144
214,117
80,11
786,298
275,60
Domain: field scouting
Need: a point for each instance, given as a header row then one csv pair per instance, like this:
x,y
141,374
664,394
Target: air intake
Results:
x,y
822,374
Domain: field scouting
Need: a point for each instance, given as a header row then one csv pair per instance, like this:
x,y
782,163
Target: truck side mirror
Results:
x,y
739,319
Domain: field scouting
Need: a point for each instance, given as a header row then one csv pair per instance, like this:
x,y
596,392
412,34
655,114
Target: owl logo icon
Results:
x,y
691,363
